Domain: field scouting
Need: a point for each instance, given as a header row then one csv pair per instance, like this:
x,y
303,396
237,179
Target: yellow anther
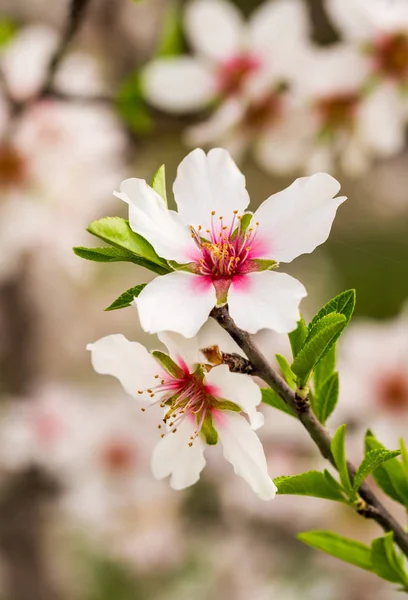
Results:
x,y
151,395
156,377
235,212
159,426
143,409
190,444
174,431
213,212
140,391
162,435
162,382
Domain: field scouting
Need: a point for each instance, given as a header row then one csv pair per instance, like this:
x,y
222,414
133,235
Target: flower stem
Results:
x,y
319,434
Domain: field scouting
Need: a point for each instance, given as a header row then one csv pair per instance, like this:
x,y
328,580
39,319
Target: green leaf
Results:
x,y
390,476
404,456
312,483
386,563
117,232
316,345
325,368
298,336
171,41
286,371
372,460
324,401
131,106
350,551
270,397
339,454
159,183
126,298
7,32
342,304
106,254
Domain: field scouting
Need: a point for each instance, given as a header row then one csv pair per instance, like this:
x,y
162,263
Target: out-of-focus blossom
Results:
x,y
373,366
58,159
244,70
202,404
231,56
336,121
223,253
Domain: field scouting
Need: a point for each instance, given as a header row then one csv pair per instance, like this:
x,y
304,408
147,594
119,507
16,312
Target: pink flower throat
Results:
x,y
186,397
225,250
234,72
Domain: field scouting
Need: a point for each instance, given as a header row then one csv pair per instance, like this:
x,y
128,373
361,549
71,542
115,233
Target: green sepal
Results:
x,y
298,336
126,299
171,40
339,454
8,31
256,265
209,432
221,404
244,223
312,483
372,460
390,476
287,373
318,342
168,364
385,561
350,551
270,397
117,232
159,183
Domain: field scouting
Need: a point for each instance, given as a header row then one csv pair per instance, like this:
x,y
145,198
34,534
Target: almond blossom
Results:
x,y
202,405
335,119
373,365
221,253
230,55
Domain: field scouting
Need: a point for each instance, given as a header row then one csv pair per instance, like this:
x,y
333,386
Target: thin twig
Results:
x,y
76,13
318,433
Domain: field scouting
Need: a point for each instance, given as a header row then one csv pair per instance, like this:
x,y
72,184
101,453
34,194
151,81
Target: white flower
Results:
x,y
373,367
224,258
200,405
335,120
231,56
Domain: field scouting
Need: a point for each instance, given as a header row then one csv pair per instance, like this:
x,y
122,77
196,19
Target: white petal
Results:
x,y
212,334
214,28
149,217
298,219
279,30
244,451
25,60
129,362
284,148
325,72
178,302
173,456
382,121
266,300
206,183
237,388
179,85
218,125
181,349
353,17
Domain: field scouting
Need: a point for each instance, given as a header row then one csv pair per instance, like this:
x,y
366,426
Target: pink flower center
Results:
x,y
186,397
390,54
337,112
224,251
263,112
234,72
393,391
117,456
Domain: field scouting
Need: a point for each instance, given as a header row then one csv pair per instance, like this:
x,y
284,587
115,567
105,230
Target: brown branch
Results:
x,y
318,433
75,15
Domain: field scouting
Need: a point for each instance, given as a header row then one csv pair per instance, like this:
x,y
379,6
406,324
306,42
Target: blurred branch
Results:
x,y
319,434
79,98
21,507
76,13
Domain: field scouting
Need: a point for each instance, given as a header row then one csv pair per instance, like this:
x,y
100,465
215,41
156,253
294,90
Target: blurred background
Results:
x,y
81,516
